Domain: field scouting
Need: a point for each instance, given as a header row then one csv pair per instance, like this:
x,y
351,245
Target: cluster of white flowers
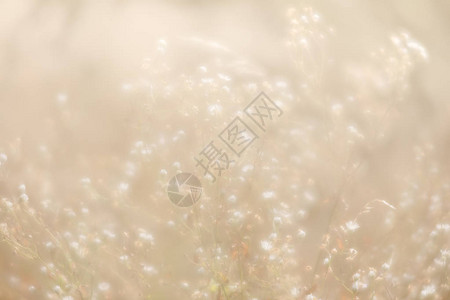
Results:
x,y
343,197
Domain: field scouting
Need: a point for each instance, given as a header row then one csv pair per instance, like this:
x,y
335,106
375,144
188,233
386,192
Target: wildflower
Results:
x,y
232,199
109,234
444,227
3,158
266,245
428,290
61,98
127,87
123,187
144,235
277,221
177,165
104,286
74,245
386,266
268,194
301,233
149,269
224,77
352,226
247,168
336,109
7,203
214,109
24,197
57,289
162,45
236,217
353,252
358,286
311,297
85,181
123,258
301,214
295,292
353,130
22,188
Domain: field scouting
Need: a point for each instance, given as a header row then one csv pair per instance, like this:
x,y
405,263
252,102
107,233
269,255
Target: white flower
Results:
x,y
268,194
214,109
277,221
358,285
149,269
104,286
123,187
266,245
352,226
428,290
310,297
232,199
109,233
301,233
224,77
74,245
144,235
3,158
22,188
24,197
57,289
85,180
61,98
247,168
123,257
386,266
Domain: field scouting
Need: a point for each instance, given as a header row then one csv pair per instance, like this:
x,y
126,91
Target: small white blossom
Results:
x,y
301,233
24,197
352,226
266,245
3,158
386,266
104,286
149,270
268,194
295,292
427,291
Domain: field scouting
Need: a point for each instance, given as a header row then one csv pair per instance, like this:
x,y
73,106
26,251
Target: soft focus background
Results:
x,y
346,196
